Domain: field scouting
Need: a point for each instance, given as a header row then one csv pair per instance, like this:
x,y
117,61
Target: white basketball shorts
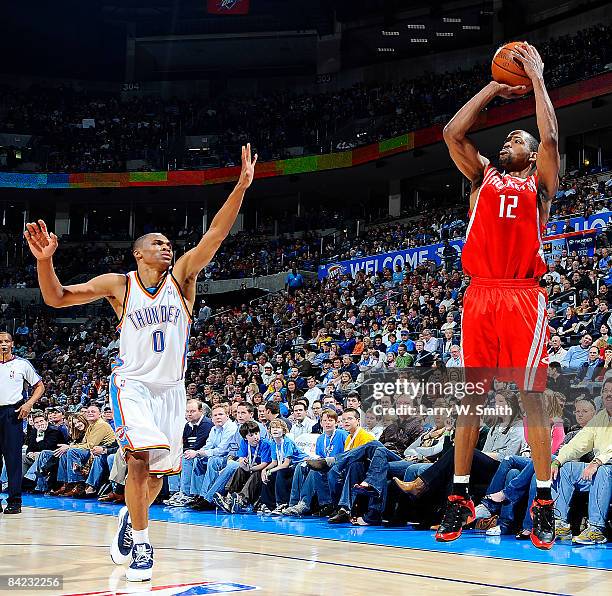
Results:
x,y
150,418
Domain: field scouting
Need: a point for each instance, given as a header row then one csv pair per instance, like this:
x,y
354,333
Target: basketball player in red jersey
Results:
x,y
504,320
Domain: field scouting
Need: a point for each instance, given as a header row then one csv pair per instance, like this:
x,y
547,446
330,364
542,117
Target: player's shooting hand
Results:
x,y
42,244
508,92
531,60
248,167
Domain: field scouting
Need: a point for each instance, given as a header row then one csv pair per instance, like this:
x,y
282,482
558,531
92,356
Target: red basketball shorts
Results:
x,y
505,328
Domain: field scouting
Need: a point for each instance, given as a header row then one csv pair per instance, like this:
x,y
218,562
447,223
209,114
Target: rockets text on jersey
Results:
x,y
504,235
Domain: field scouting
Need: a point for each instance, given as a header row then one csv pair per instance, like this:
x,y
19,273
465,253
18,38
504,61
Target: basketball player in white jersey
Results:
x,y
147,389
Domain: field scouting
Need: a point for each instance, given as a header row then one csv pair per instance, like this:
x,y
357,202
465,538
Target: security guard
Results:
x,y
13,409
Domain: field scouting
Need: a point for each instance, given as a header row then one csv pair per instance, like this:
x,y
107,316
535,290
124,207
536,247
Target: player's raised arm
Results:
x,y
43,246
548,160
192,262
461,148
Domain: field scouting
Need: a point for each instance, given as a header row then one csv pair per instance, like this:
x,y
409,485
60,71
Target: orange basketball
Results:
x,y
507,70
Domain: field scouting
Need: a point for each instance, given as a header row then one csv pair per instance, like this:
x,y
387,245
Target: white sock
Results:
x,y
461,479
140,536
543,483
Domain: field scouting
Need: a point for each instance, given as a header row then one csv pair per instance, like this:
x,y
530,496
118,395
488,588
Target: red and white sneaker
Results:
x,y
459,512
543,516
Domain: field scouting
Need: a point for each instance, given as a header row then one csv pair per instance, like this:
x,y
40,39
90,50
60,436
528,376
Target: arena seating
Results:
x,y
148,130
339,325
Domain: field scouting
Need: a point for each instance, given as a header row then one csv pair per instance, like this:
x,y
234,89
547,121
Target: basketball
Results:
x,y
507,70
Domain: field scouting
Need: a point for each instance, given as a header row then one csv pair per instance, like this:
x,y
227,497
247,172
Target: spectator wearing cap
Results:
x,y
267,376
57,418
405,339
107,416
322,355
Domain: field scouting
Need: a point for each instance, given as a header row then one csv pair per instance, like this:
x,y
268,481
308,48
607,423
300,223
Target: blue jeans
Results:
x,y
62,468
362,453
76,457
36,472
599,489
206,476
278,488
191,480
223,477
354,474
397,469
520,483
413,471
315,484
99,471
297,484
174,483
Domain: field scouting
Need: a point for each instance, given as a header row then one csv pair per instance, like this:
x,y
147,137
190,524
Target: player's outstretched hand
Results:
x,y
42,244
508,92
531,60
248,167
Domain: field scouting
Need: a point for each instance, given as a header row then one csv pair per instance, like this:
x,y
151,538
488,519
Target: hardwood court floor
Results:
x,y
75,544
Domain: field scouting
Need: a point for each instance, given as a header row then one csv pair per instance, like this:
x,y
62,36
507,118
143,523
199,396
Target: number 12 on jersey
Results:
x,y
506,205
159,341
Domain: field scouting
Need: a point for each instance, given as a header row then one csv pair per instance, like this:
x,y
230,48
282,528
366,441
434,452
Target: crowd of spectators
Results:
x,y
249,254
85,132
291,374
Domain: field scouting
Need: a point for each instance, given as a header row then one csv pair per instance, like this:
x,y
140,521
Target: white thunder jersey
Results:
x,y
154,332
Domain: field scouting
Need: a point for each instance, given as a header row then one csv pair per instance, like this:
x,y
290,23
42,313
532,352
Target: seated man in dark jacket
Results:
x,y
195,435
38,438
592,368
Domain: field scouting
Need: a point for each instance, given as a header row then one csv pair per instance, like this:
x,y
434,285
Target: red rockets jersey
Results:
x,y
504,236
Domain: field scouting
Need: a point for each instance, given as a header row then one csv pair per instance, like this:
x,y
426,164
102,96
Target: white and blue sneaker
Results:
x,y
121,546
141,567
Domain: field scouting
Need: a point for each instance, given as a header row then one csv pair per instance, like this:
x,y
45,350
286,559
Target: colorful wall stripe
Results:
x,y
563,96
